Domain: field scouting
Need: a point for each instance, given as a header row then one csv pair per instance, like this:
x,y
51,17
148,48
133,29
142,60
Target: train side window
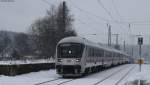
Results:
x,y
92,52
101,53
118,56
107,54
113,54
97,52
88,52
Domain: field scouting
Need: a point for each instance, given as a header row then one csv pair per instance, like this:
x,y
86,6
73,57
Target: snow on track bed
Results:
x,y
118,77
130,74
117,83
111,76
114,73
96,78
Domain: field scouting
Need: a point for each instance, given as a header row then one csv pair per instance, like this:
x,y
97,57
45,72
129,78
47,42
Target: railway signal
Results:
x,y
140,43
140,40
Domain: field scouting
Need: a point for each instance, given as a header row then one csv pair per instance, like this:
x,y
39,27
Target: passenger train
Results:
x,y
76,56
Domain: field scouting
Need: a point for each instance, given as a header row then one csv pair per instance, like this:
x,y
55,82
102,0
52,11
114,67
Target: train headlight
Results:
x,y
59,60
77,60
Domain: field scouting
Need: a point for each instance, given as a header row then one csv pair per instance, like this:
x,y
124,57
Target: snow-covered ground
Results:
x,y
143,76
28,79
37,77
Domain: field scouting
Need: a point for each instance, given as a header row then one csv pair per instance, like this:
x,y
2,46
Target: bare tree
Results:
x,y
49,30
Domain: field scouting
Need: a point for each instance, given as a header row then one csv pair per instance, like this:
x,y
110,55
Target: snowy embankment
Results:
x,y
17,67
143,76
18,62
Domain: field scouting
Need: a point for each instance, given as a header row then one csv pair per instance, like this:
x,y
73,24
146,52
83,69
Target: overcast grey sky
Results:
x,y
90,17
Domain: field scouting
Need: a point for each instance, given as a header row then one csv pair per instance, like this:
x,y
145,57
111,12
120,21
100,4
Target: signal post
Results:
x,y
140,43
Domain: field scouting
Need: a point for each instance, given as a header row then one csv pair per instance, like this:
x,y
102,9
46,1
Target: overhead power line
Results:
x,y
86,24
89,13
116,10
108,12
102,18
101,4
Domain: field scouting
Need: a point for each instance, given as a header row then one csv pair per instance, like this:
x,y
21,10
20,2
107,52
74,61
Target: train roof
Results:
x,y
73,40
89,43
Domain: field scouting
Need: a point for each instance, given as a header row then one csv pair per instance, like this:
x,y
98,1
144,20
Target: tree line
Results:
x,y
44,34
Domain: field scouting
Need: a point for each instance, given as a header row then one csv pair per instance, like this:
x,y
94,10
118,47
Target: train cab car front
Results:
x,y
69,56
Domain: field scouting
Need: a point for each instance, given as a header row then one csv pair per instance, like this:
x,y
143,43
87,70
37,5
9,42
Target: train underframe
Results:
x,y
69,70
77,70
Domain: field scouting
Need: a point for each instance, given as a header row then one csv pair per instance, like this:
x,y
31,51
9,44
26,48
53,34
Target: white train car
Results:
x,y
76,56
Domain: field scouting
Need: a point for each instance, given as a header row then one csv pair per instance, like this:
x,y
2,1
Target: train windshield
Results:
x,y
70,50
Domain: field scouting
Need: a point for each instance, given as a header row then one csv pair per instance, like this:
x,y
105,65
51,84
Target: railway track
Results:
x,y
47,81
55,80
114,73
65,82
117,83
